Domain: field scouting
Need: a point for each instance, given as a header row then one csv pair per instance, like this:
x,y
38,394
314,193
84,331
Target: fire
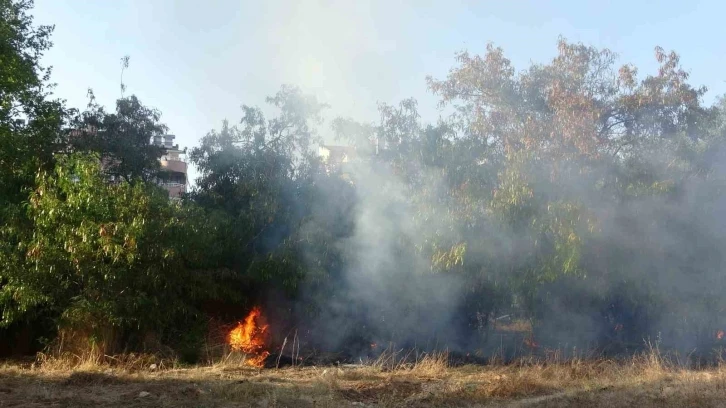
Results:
x,y
249,338
719,335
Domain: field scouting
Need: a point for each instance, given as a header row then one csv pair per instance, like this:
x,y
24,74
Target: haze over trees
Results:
x,y
579,194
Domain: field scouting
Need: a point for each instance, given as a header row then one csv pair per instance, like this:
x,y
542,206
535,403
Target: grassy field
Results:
x,y
645,381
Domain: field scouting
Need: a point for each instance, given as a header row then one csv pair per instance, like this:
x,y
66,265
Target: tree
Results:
x,y
30,127
586,151
123,139
254,181
29,122
578,105
114,262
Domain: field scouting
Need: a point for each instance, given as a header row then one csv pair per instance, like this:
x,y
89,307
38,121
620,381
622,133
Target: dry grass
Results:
x,y
520,326
396,379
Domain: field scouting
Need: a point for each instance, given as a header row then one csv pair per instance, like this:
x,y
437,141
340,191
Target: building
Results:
x,y
173,175
338,159
334,157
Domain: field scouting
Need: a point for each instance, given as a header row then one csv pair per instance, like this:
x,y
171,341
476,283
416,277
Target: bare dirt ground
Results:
x,y
642,382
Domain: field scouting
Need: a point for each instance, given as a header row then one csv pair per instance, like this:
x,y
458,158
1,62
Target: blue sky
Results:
x,y
198,61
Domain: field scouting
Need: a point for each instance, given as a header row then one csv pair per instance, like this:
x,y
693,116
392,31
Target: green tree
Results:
x,y
30,127
112,261
29,122
123,139
254,181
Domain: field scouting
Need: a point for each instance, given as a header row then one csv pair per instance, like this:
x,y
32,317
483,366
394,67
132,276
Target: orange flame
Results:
x,y
249,338
719,335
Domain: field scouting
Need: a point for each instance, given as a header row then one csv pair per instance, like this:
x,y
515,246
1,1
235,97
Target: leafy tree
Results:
x,y
122,139
108,257
254,182
29,123
577,145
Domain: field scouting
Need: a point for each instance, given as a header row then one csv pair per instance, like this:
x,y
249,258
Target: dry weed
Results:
x,y
394,380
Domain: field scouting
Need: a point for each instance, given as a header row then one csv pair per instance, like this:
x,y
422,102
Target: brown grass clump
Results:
x,y
516,326
92,362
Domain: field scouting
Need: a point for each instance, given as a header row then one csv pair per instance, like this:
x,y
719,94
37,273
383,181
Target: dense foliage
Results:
x,y
572,193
